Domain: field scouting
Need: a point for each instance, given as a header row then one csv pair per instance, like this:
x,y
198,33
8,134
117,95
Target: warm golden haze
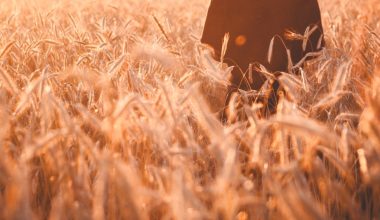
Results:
x,y
107,112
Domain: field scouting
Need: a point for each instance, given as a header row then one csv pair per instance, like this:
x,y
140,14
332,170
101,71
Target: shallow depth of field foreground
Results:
x,y
107,111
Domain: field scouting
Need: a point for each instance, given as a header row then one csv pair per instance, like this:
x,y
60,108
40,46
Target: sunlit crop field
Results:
x,y
108,110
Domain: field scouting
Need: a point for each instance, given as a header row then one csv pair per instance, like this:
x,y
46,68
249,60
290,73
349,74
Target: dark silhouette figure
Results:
x,y
252,24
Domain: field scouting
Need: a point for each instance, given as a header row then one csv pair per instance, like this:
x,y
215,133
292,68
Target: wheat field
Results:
x,y
108,110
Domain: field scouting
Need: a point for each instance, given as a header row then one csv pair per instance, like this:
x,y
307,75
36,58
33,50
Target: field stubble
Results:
x,y
108,112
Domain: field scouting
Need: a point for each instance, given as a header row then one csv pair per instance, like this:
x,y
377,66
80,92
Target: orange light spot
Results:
x,y
240,40
242,216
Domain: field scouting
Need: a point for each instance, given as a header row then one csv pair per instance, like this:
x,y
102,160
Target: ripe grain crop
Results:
x,y
108,110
